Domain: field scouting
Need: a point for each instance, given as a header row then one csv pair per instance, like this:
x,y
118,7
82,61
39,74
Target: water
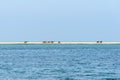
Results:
x,y
59,62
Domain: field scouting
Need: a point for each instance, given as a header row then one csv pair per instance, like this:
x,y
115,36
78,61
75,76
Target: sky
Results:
x,y
59,20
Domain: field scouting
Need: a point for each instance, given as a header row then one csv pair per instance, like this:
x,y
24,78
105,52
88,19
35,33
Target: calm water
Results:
x,y
59,62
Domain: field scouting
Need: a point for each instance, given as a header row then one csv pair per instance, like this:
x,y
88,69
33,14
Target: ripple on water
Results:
x,y
59,62
111,79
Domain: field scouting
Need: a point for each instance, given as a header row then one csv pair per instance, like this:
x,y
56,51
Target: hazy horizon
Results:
x,y
59,20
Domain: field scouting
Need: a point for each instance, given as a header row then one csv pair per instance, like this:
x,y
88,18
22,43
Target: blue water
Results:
x,y
59,62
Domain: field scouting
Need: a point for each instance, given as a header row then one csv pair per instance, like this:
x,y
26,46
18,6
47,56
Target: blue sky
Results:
x,y
59,20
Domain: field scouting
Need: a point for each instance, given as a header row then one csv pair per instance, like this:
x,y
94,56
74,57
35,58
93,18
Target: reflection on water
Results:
x,y
59,62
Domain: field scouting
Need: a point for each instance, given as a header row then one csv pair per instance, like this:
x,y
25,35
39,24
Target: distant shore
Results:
x,y
58,42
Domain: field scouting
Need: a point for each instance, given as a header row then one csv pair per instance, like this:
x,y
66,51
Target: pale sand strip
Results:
x,y
59,43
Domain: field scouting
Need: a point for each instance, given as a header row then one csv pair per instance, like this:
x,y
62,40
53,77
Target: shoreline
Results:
x,y
26,42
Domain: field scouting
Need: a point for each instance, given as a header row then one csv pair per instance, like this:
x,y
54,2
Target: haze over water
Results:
x,y
59,62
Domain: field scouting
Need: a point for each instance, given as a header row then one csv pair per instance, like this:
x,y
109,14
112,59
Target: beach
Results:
x,y
56,42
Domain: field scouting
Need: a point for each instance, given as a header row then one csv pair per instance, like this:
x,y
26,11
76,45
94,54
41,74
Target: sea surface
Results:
x,y
59,62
